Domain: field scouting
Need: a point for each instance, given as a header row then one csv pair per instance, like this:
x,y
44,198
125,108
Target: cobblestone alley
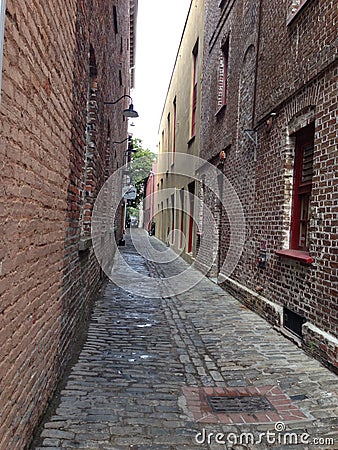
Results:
x,y
164,373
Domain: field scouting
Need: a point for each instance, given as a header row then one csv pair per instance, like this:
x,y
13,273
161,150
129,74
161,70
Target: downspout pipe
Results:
x,y
256,64
2,32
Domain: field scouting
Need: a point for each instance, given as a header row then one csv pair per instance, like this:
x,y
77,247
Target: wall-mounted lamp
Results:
x,y
268,124
222,156
121,142
129,112
130,148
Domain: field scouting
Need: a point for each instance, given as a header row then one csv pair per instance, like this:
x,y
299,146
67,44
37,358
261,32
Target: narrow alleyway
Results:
x,y
149,364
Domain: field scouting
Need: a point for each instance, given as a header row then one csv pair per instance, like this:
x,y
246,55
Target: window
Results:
x,y
302,187
182,217
115,20
223,75
191,188
168,141
163,156
194,91
169,133
172,217
174,130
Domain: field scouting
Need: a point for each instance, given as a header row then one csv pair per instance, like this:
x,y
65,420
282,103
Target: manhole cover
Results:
x,y
241,403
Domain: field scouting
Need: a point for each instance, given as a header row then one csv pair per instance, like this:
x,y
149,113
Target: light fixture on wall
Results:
x,y
129,112
130,148
269,120
121,142
222,156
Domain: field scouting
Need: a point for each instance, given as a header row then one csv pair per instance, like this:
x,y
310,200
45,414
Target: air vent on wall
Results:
x,y
293,322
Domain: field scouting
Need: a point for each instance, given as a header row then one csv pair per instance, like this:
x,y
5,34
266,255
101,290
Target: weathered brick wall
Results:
x,y
223,130
290,70
301,86
291,55
46,283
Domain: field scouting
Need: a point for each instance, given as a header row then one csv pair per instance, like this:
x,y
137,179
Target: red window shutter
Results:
x,y
193,115
175,123
302,187
194,91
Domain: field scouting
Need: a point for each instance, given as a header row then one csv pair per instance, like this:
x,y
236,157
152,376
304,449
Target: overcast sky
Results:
x,y
160,25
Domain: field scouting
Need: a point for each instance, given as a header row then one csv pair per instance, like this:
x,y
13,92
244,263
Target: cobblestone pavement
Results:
x,y
148,364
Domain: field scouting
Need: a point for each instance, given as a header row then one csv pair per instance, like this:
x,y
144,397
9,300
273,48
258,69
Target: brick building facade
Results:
x,y
179,135
149,202
269,123
61,61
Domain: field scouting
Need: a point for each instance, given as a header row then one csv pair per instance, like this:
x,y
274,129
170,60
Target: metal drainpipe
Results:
x,y
255,93
2,32
256,65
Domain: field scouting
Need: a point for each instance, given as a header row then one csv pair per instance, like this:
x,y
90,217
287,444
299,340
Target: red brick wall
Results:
x,y
296,77
46,283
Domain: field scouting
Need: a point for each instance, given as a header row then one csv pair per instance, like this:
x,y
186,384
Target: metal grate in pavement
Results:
x,y
242,405
239,404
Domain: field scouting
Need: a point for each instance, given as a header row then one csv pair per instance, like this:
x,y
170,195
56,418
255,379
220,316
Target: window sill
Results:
x,y
298,255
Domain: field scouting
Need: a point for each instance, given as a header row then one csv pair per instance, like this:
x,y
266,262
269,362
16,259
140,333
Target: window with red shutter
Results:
x,y
174,130
225,63
194,91
302,187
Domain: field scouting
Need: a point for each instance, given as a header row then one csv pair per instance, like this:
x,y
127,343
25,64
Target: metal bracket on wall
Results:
x,y
253,135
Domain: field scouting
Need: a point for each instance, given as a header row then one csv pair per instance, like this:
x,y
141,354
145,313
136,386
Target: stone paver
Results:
x,y
144,357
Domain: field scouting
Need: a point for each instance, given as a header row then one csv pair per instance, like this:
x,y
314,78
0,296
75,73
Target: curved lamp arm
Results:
x,y
120,142
116,101
130,112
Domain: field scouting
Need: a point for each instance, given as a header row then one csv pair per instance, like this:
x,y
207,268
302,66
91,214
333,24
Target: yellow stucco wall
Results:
x,y
180,91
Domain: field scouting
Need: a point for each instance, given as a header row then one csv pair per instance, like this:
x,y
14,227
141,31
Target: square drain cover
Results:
x,y
238,404
242,405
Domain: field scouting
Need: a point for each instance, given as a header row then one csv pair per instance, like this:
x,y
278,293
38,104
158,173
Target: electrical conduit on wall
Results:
x,y
2,30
